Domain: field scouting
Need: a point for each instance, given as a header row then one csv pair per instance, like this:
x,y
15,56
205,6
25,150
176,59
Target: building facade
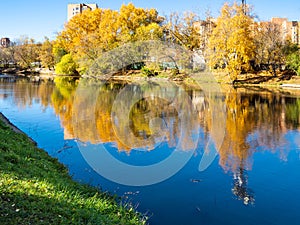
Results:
x,y
289,29
74,9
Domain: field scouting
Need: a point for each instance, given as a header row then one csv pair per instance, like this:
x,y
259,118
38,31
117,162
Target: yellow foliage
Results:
x,y
86,36
185,30
231,44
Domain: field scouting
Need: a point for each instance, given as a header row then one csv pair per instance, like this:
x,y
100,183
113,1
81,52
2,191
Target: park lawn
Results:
x,y
37,189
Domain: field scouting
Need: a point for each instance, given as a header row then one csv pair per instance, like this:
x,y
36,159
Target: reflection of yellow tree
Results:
x,y
149,121
240,122
260,115
62,101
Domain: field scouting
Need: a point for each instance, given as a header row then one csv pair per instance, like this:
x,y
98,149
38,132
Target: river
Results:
x,y
180,155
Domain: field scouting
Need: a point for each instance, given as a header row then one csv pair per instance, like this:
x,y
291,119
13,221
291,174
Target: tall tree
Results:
x,y
27,52
46,54
269,45
4,57
184,30
88,35
132,20
231,44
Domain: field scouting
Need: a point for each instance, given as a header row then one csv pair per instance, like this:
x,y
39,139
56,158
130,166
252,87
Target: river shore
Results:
x,y
37,189
286,79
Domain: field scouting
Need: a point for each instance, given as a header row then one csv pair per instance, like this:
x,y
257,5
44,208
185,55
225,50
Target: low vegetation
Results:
x,y
36,189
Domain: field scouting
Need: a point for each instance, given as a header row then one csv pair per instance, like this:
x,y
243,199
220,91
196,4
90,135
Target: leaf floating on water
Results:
x,y
131,193
196,180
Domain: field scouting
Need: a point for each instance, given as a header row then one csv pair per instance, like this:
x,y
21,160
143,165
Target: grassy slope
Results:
x,y
36,189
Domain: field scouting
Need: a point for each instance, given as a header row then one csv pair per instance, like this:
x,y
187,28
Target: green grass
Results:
x,y
36,189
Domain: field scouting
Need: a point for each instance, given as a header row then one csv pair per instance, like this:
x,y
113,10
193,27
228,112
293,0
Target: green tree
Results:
x,y
293,62
67,66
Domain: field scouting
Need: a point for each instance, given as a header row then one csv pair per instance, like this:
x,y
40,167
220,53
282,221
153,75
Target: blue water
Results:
x,y
270,172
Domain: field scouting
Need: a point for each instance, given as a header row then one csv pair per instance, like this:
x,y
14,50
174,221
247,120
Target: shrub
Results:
x,y
293,62
67,66
147,71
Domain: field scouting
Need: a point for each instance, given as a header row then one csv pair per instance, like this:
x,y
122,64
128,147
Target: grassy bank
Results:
x,y
36,189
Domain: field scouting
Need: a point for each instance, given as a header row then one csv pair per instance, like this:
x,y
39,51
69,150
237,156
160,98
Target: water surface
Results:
x,y
254,178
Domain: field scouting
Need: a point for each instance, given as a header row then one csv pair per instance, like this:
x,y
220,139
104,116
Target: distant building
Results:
x,y
295,32
5,42
289,29
74,9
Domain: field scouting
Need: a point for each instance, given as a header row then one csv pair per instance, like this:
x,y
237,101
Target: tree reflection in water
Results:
x,y
255,121
240,188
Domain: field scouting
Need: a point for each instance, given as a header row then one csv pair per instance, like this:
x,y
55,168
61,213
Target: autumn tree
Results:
x,y
58,51
4,57
134,23
231,44
184,30
27,52
46,54
269,45
88,35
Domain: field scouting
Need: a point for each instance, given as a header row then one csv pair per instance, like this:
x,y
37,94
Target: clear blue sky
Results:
x,y
39,18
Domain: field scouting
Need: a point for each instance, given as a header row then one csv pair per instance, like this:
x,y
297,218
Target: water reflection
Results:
x,y
254,122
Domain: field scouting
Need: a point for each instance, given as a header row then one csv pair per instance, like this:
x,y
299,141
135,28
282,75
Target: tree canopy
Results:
x,y
231,44
88,35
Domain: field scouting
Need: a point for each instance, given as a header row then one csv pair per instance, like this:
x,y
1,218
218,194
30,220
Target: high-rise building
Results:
x,y
74,9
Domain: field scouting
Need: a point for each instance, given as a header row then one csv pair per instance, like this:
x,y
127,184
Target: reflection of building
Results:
x,y
5,42
240,189
74,9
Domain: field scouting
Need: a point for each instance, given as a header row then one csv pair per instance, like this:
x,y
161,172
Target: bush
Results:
x,y
293,62
67,66
147,71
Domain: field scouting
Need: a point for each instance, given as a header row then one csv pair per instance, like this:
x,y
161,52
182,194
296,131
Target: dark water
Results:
x,y
181,156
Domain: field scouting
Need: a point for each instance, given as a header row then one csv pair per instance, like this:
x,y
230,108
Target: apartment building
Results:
x,y
295,35
74,9
289,29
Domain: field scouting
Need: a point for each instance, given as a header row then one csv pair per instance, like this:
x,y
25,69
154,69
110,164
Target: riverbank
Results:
x,y
37,189
285,79
262,79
